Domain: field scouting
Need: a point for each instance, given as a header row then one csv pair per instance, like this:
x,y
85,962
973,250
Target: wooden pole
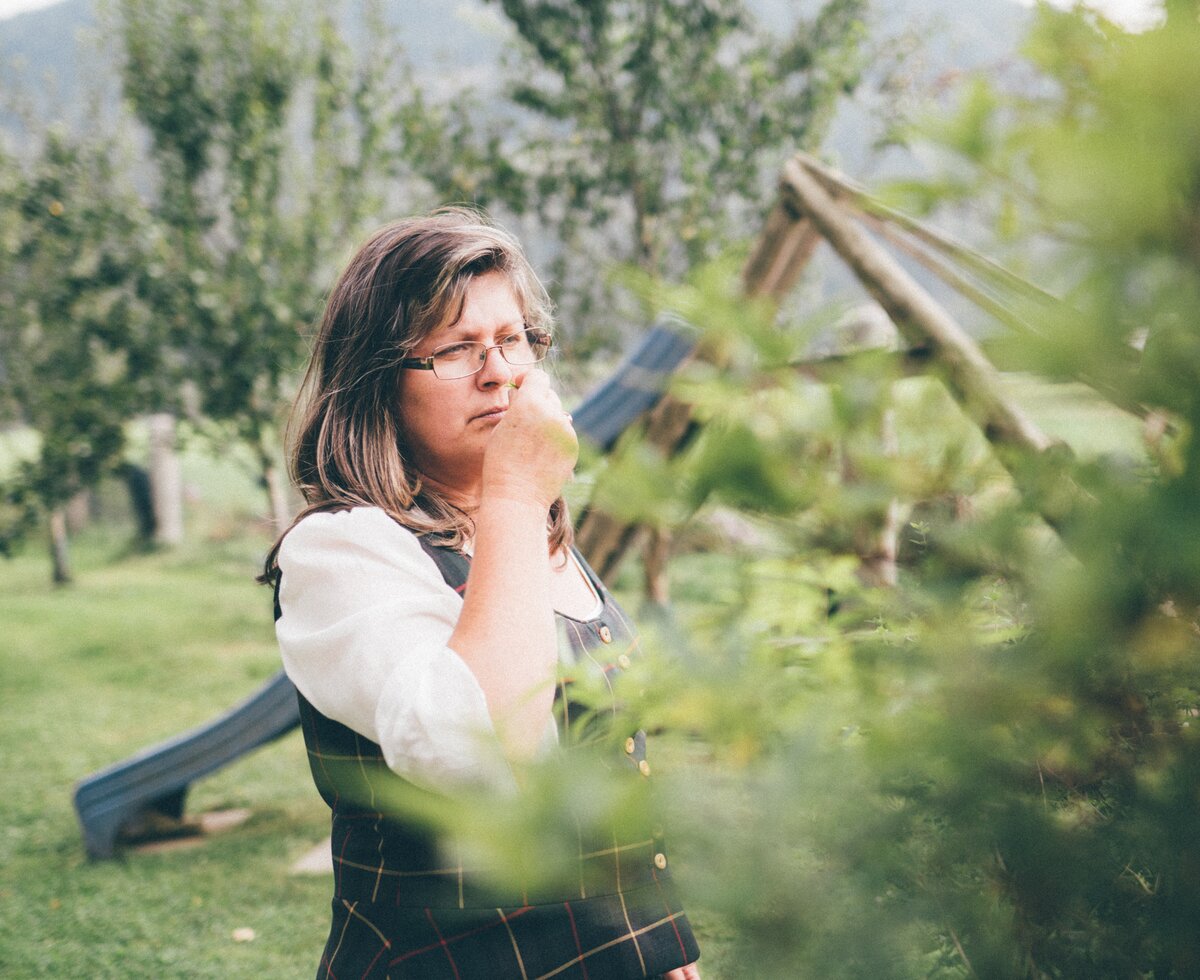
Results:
x,y
920,319
605,539
785,246
922,322
986,301
783,249
808,212
845,190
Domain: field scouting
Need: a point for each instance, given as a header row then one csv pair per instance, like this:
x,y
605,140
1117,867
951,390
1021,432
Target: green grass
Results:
x,y
138,650
1078,416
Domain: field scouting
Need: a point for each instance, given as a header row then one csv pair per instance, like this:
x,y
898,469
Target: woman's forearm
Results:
x,y
506,633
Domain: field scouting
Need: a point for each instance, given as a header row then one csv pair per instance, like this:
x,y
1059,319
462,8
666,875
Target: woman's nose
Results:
x,y
495,371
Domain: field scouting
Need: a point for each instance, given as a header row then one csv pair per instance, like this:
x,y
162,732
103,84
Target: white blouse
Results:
x,y
366,617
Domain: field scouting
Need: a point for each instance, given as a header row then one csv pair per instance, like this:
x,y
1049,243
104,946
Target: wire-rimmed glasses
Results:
x,y
466,357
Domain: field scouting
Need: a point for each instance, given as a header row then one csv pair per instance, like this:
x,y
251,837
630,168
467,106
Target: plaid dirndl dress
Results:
x,y
402,908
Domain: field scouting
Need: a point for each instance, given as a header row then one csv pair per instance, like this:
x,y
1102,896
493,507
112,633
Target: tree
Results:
x,y
76,344
268,143
991,768
647,133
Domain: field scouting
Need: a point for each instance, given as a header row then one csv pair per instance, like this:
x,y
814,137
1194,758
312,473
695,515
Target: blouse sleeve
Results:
x,y
365,621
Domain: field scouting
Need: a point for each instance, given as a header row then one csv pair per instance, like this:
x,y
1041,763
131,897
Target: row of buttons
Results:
x,y
643,766
660,859
606,635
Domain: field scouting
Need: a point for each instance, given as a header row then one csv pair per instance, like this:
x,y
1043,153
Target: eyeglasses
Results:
x,y
461,360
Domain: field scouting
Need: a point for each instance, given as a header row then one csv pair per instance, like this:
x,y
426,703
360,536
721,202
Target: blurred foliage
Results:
x,y
990,769
649,133
270,147
78,354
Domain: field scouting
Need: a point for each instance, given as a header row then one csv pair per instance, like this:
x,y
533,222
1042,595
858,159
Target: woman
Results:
x,y
425,598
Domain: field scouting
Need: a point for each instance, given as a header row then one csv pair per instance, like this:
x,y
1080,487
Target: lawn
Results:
x,y
138,650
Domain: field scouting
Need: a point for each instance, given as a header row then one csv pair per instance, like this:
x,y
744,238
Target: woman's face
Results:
x,y
447,424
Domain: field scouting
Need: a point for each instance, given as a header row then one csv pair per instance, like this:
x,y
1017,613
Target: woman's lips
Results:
x,y
492,414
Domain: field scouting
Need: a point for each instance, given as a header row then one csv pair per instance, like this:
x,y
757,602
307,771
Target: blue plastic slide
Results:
x,y
151,787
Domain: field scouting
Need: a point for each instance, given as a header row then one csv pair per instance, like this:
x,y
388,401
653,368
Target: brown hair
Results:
x,y
406,281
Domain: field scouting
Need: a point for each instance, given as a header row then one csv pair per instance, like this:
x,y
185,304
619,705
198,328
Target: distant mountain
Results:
x,y
41,55
54,56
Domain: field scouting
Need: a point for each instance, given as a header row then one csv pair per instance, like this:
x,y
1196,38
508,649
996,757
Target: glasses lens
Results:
x,y
458,360
526,347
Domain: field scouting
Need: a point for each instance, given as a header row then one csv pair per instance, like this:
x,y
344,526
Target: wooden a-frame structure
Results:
x,y
817,204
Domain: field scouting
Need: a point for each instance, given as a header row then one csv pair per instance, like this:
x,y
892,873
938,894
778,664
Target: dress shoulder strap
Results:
x,y
453,565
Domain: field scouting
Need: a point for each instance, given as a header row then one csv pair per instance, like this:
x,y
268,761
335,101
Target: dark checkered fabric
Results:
x,y
405,908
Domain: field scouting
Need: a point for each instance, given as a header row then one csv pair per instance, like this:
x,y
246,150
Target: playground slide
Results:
x,y
154,783
635,386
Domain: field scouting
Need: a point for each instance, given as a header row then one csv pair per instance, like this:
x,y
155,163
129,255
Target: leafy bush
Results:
x,y
991,768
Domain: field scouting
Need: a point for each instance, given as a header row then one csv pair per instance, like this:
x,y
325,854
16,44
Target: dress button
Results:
x,y
660,861
605,633
644,767
630,745
624,662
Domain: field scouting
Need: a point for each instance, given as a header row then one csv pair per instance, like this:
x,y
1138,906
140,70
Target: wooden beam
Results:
x,y
786,244
605,539
923,323
845,190
920,319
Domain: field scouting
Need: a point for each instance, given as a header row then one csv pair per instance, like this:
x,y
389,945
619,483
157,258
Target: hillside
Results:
x,y
53,58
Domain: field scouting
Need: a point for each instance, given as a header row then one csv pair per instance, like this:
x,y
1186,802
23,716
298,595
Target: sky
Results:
x,y
10,7
1132,13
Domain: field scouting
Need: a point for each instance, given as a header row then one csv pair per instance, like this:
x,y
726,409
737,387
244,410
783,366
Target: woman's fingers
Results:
x,y
689,972
534,447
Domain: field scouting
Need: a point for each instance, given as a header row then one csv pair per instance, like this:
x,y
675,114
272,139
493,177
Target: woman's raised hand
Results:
x,y
533,448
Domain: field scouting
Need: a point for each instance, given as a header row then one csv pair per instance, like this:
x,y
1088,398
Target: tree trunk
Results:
x,y
277,491
60,555
166,480
141,502
79,511
656,552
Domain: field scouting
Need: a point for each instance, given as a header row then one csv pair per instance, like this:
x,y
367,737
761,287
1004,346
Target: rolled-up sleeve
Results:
x,y
366,618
